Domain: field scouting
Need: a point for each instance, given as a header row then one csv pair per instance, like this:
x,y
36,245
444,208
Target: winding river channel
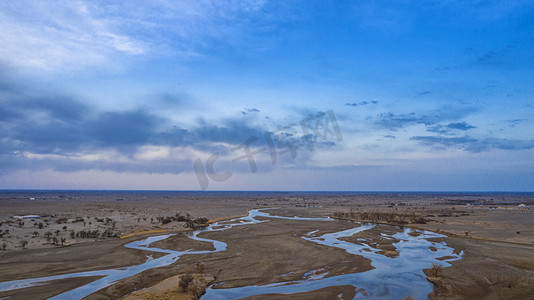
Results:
x,y
391,278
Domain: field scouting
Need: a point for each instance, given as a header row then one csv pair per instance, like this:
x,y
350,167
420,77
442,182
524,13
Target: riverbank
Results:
x,y
279,256
497,244
487,270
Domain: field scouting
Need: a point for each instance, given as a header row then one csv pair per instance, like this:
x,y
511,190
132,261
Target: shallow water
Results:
x,y
113,275
390,278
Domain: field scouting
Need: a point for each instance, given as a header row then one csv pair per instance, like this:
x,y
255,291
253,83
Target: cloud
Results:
x,y
423,93
505,57
233,131
500,143
174,161
58,107
59,131
515,122
471,144
168,100
39,129
363,103
8,113
51,130
123,128
250,110
74,35
460,126
451,128
444,141
394,122
19,104
67,35
46,136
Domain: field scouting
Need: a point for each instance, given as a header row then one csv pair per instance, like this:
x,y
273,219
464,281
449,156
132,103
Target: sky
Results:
x,y
267,95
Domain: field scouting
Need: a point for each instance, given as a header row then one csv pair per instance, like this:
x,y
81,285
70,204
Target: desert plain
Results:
x,y
79,231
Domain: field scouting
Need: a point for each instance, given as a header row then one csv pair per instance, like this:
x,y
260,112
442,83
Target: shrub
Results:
x,y
200,267
436,270
23,244
202,220
185,280
62,220
190,224
77,220
180,218
166,220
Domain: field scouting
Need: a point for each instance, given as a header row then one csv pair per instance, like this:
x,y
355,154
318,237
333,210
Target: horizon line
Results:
x,y
263,191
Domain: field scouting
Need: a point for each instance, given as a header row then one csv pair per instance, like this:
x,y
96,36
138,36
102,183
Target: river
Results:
x,y
392,277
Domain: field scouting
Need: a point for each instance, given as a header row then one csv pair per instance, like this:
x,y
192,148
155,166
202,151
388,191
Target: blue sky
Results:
x,y
427,96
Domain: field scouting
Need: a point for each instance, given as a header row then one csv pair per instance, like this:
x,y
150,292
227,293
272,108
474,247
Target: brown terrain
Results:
x,y
495,233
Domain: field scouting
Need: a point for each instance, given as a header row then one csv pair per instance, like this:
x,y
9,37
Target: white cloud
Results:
x,y
59,35
73,35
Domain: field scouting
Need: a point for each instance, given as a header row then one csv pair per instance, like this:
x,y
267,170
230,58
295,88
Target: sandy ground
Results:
x,y
170,288
488,270
498,243
119,214
374,239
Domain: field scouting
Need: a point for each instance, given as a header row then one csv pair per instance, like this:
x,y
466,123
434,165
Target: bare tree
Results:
x,y
185,280
436,270
200,267
48,236
23,244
